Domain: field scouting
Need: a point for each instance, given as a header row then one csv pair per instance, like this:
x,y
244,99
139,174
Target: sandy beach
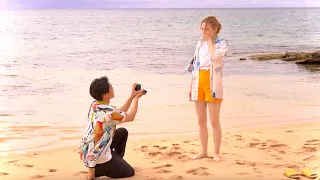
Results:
x,y
260,153
267,133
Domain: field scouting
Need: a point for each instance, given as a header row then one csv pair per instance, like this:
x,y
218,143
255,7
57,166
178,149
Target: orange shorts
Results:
x,y
204,92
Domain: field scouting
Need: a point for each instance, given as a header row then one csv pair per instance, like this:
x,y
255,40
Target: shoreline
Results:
x,y
246,154
140,136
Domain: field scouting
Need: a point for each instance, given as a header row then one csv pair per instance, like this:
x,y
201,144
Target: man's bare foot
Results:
x,y
216,157
200,156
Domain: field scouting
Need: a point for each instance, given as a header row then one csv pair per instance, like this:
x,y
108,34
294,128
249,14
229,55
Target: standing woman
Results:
x,y
206,88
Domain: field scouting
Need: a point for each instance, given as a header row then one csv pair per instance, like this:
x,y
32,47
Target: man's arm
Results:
x,y
131,114
127,104
125,107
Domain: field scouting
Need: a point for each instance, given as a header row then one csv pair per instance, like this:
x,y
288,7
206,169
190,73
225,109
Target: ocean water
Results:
x,y
49,57
150,40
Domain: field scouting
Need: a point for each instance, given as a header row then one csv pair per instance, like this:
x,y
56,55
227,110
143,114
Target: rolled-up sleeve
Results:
x,y
117,116
222,47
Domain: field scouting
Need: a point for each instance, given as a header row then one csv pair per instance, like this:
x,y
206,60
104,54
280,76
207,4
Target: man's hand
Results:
x,y
91,173
133,91
125,107
139,94
131,114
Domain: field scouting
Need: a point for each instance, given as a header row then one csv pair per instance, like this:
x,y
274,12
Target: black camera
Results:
x,y
138,88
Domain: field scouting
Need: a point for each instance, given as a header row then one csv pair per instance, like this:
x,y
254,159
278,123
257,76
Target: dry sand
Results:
x,y
261,153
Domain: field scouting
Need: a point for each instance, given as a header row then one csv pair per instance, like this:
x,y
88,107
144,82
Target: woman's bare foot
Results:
x,y
216,157
200,156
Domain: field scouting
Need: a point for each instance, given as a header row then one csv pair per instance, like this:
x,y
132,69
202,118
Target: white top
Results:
x,y
204,56
105,156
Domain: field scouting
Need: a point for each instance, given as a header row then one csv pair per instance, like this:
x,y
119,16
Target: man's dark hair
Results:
x,y
99,87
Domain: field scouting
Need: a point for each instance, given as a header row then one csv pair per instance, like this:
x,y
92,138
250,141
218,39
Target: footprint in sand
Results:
x,y
163,166
10,162
28,165
186,142
243,173
137,169
306,149
278,145
154,153
251,164
144,148
269,146
252,145
160,147
281,165
183,158
170,154
313,142
198,171
177,177
164,171
174,149
163,148
4,174
53,170
36,177
256,170
80,173
311,158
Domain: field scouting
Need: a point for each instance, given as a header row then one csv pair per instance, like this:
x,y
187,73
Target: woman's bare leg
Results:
x,y
214,112
201,110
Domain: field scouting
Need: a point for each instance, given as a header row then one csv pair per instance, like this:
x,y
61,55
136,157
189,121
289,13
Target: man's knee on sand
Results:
x,y
130,172
123,131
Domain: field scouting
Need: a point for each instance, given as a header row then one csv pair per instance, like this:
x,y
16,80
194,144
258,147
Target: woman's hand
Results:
x,y
206,37
217,61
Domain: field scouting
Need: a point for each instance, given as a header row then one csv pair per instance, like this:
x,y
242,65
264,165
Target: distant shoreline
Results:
x,y
126,8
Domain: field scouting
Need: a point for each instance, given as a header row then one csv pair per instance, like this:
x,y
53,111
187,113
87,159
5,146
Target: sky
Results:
x,y
65,4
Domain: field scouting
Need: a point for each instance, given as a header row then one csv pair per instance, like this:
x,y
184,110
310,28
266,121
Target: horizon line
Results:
x,y
154,8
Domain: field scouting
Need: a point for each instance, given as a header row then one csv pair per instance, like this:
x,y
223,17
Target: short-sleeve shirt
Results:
x,y
221,48
99,133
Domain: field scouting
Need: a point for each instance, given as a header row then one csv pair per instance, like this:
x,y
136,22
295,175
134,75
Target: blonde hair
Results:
x,y
213,22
